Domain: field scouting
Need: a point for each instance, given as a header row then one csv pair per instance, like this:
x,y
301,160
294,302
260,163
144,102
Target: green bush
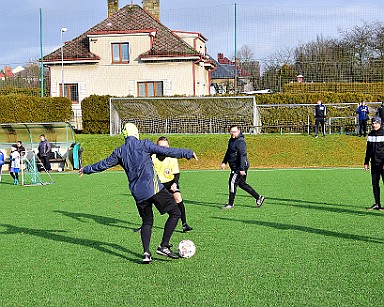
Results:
x,y
19,108
95,114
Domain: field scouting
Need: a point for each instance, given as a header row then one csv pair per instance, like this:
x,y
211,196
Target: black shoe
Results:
x,y
137,230
147,258
228,207
260,201
186,227
166,251
375,207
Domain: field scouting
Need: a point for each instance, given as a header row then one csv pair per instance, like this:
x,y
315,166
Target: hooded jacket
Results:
x,y
375,147
135,158
236,154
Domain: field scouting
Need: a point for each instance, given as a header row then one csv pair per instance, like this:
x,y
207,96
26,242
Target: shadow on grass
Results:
x,y
105,247
203,203
319,206
108,221
317,231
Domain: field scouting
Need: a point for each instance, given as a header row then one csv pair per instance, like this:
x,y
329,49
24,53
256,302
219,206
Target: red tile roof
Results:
x,y
129,19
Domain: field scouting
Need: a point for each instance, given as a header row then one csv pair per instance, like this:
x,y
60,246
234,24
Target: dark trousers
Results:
x,y
321,121
376,172
363,127
46,163
237,180
164,203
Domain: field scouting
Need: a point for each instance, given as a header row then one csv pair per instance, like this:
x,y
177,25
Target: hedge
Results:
x,y
19,108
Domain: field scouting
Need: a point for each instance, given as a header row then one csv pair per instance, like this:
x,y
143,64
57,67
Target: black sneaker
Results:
x,y
186,227
147,258
137,230
374,207
166,251
260,201
228,206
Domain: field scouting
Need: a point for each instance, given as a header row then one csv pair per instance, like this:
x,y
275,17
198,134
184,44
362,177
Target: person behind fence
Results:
x,y
363,115
15,165
134,156
2,158
320,114
44,151
380,112
374,154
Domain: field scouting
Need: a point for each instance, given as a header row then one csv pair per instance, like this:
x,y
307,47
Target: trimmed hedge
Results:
x,y
95,114
18,108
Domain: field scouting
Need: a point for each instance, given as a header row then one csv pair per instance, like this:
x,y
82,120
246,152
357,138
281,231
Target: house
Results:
x,y
6,73
223,77
130,53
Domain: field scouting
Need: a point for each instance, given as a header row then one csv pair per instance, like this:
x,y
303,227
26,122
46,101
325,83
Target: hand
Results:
x,y
81,171
222,165
242,173
366,167
174,187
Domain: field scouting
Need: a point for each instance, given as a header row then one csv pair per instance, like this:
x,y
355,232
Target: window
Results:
x,y
71,91
150,89
120,53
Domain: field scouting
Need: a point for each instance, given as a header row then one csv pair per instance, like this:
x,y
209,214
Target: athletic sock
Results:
x,y
182,210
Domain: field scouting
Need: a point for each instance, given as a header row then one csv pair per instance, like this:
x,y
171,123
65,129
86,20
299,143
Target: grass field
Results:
x,y
312,243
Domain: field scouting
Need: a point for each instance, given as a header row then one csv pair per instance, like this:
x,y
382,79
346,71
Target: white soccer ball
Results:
x,y
59,169
186,249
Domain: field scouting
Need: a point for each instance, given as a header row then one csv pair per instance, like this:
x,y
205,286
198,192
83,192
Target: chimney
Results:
x,y
113,7
152,7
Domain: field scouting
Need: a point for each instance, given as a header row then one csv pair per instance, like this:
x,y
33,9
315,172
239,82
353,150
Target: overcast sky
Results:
x,y
265,26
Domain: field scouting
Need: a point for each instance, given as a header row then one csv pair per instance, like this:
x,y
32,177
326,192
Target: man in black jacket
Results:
x,y
320,114
375,154
236,157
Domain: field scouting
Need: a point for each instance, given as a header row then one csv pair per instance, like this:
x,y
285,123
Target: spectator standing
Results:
x,y
374,154
363,116
20,148
44,151
380,112
320,114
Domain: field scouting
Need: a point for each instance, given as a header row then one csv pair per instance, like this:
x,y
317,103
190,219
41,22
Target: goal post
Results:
x,y
184,114
201,115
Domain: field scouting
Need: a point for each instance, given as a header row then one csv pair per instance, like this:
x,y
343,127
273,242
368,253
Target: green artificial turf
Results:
x,y
312,243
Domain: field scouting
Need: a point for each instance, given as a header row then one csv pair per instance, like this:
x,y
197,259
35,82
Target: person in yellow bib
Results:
x,y
168,171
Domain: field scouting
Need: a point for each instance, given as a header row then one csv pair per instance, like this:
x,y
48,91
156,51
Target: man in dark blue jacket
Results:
x,y
236,157
320,113
135,158
363,112
374,154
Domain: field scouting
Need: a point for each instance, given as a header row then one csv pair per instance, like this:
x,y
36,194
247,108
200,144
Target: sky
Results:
x,y
266,26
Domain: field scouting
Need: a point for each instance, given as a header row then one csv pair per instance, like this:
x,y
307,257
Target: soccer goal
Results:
x,y
33,172
184,114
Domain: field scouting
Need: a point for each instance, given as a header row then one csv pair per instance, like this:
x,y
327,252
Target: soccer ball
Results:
x,y
59,169
186,248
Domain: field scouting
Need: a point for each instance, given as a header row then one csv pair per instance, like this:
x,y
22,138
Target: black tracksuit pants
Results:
x,y
237,180
376,172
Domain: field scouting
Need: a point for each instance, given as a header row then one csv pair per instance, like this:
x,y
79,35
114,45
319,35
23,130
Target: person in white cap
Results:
x,y
375,155
135,158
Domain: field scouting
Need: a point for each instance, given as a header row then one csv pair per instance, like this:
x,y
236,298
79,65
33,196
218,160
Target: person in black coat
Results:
x,y
44,150
320,113
236,157
375,155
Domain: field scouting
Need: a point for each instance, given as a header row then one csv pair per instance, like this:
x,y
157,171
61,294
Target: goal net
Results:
x,y
33,172
184,114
